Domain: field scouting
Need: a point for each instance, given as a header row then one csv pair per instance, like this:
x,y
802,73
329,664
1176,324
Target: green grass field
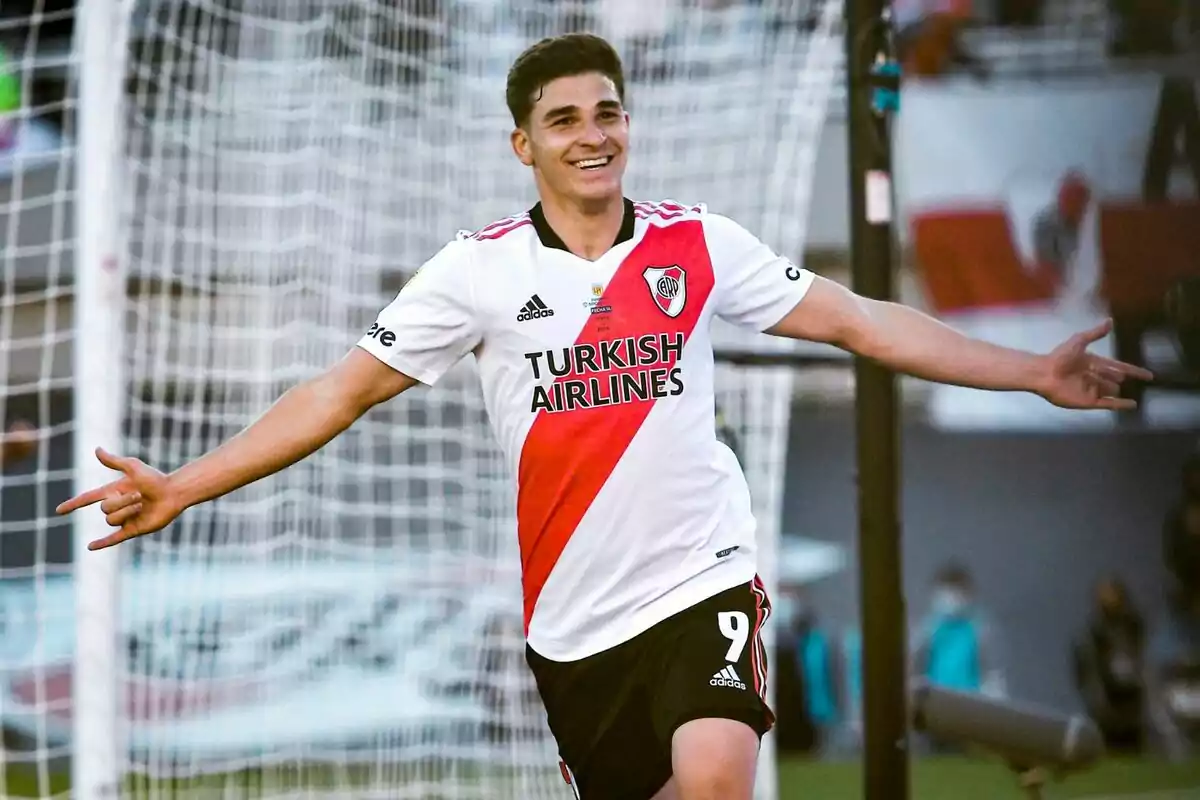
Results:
x,y
932,779
970,779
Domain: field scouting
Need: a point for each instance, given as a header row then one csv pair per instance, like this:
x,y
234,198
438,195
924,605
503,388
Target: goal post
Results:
x,y
98,364
253,182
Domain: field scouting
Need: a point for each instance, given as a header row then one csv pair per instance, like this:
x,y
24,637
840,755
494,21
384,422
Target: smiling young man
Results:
x,y
589,320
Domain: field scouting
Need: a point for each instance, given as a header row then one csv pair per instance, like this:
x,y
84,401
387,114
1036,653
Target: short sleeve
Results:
x,y
432,322
755,286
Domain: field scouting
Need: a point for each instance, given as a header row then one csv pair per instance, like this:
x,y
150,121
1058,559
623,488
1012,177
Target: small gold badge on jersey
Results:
x,y
593,304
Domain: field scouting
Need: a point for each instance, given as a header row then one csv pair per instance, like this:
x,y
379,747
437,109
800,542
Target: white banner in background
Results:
x,y
224,660
978,169
227,659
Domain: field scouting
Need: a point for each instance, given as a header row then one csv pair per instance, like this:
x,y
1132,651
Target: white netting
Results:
x,y
352,625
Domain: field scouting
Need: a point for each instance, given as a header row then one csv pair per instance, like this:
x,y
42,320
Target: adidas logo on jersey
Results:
x,y
534,309
727,677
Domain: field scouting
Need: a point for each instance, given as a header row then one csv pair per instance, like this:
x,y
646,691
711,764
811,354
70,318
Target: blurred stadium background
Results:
x,y
347,628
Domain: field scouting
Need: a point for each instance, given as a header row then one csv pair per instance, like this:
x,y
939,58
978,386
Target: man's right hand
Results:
x,y
141,501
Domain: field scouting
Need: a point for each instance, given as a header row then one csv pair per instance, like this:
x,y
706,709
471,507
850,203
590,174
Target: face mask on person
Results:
x,y
790,611
949,602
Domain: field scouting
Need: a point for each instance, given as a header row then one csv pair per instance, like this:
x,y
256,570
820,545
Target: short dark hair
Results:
x,y
954,574
559,57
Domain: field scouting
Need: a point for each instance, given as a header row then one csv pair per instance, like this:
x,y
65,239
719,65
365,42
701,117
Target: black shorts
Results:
x,y
613,713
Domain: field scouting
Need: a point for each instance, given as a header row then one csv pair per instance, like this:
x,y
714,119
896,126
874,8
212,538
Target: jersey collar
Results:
x,y
554,241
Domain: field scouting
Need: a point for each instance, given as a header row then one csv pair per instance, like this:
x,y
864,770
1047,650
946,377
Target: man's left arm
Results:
x,y
911,342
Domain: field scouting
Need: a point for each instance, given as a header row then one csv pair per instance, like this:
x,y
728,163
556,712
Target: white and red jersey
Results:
x,y
598,381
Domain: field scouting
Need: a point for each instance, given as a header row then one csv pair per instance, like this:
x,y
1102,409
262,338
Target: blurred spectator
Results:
x,y
1181,538
955,647
1173,682
18,443
807,697
929,37
1109,667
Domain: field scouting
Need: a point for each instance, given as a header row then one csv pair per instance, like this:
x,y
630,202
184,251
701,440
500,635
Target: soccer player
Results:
x,y
588,317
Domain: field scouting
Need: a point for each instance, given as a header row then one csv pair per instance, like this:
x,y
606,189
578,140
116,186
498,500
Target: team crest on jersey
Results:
x,y
668,287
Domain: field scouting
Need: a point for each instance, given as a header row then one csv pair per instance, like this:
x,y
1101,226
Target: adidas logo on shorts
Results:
x,y
727,677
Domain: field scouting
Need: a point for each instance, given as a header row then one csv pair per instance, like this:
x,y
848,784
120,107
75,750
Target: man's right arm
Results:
x,y
430,325
306,418
143,500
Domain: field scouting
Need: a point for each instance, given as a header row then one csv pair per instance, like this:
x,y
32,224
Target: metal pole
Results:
x,y
101,43
884,661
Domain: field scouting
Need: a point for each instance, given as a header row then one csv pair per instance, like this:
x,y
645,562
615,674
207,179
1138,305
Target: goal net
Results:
x,y
206,201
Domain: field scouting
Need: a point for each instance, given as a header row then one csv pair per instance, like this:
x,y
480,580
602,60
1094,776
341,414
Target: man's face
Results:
x,y
576,138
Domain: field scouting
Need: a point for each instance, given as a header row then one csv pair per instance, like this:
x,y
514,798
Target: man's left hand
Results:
x,y
1075,378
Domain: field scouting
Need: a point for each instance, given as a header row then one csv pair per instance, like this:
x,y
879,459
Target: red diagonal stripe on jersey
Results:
x,y
568,456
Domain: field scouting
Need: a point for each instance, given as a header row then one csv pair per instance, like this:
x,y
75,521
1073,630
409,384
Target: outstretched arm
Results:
x,y
911,342
303,420
429,326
